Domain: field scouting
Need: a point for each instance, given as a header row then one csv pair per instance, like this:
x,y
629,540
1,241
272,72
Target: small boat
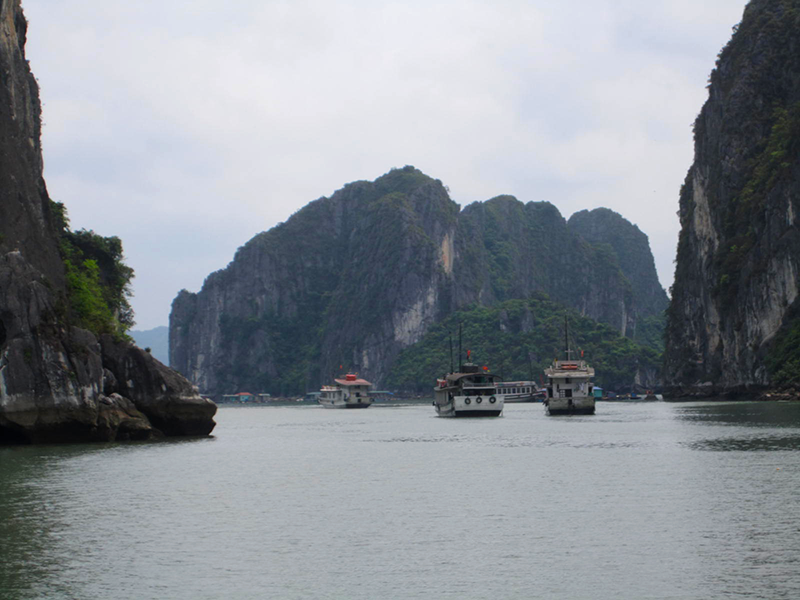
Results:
x,y
349,392
468,393
569,385
520,391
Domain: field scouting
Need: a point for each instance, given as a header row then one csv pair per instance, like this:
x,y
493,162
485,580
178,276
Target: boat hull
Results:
x,y
465,407
570,406
346,404
449,412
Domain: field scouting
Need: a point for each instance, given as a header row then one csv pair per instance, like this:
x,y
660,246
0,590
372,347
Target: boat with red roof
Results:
x,y
347,392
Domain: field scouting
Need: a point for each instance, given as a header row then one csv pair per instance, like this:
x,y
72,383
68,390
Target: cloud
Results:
x,y
187,127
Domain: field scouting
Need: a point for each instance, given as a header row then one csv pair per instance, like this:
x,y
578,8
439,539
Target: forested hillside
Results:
x,y
518,339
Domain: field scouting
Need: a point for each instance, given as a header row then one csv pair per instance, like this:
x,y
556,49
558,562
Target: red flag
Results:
x,y
485,368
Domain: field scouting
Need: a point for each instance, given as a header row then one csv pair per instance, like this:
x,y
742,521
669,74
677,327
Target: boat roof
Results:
x,y
355,381
570,368
452,378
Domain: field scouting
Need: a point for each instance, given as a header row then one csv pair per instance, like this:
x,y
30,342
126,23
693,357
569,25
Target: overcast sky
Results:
x,y
185,127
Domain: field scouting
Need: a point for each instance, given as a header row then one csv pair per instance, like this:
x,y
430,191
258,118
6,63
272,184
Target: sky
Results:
x,y
185,127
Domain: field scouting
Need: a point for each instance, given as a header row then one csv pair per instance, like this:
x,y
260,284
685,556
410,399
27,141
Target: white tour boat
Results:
x,y
569,385
350,392
468,393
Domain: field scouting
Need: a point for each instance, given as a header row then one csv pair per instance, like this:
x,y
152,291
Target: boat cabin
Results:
x,y
569,379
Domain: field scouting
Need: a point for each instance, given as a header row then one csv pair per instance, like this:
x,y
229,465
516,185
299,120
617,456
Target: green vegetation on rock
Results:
x,y
98,281
746,214
518,339
783,359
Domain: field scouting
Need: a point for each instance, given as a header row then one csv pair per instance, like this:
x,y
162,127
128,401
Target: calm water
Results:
x,y
649,500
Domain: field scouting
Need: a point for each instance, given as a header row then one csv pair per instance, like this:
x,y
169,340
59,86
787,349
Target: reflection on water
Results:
x,y
650,500
749,444
744,414
749,426
29,522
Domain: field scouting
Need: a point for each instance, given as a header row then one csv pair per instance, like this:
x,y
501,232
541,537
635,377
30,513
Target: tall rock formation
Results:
x,y
347,280
59,382
735,295
630,246
525,248
351,280
611,233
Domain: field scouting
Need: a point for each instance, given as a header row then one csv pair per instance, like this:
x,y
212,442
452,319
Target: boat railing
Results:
x,y
570,365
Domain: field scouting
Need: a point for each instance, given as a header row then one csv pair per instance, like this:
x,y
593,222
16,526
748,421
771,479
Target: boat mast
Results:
x,y
566,337
451,352
459,345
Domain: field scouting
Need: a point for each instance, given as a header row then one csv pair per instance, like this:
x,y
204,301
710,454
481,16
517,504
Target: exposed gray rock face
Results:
x,y
736,278
58,382
607,230
350,280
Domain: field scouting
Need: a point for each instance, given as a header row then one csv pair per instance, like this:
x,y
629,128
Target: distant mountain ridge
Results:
x,y
353,279
156,339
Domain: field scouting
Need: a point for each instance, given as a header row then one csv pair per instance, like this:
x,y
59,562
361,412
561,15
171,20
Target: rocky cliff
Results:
x,y
611,232
735,297
351,280
58,381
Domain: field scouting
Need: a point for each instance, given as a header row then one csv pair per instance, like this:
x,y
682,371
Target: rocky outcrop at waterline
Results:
x,y
59,382
734,320
351,280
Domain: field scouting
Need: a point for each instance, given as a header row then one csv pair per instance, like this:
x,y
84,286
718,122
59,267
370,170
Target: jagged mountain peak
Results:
x,y
355,277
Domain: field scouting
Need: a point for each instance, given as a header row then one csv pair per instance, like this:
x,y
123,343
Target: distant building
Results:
x,y
241,397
